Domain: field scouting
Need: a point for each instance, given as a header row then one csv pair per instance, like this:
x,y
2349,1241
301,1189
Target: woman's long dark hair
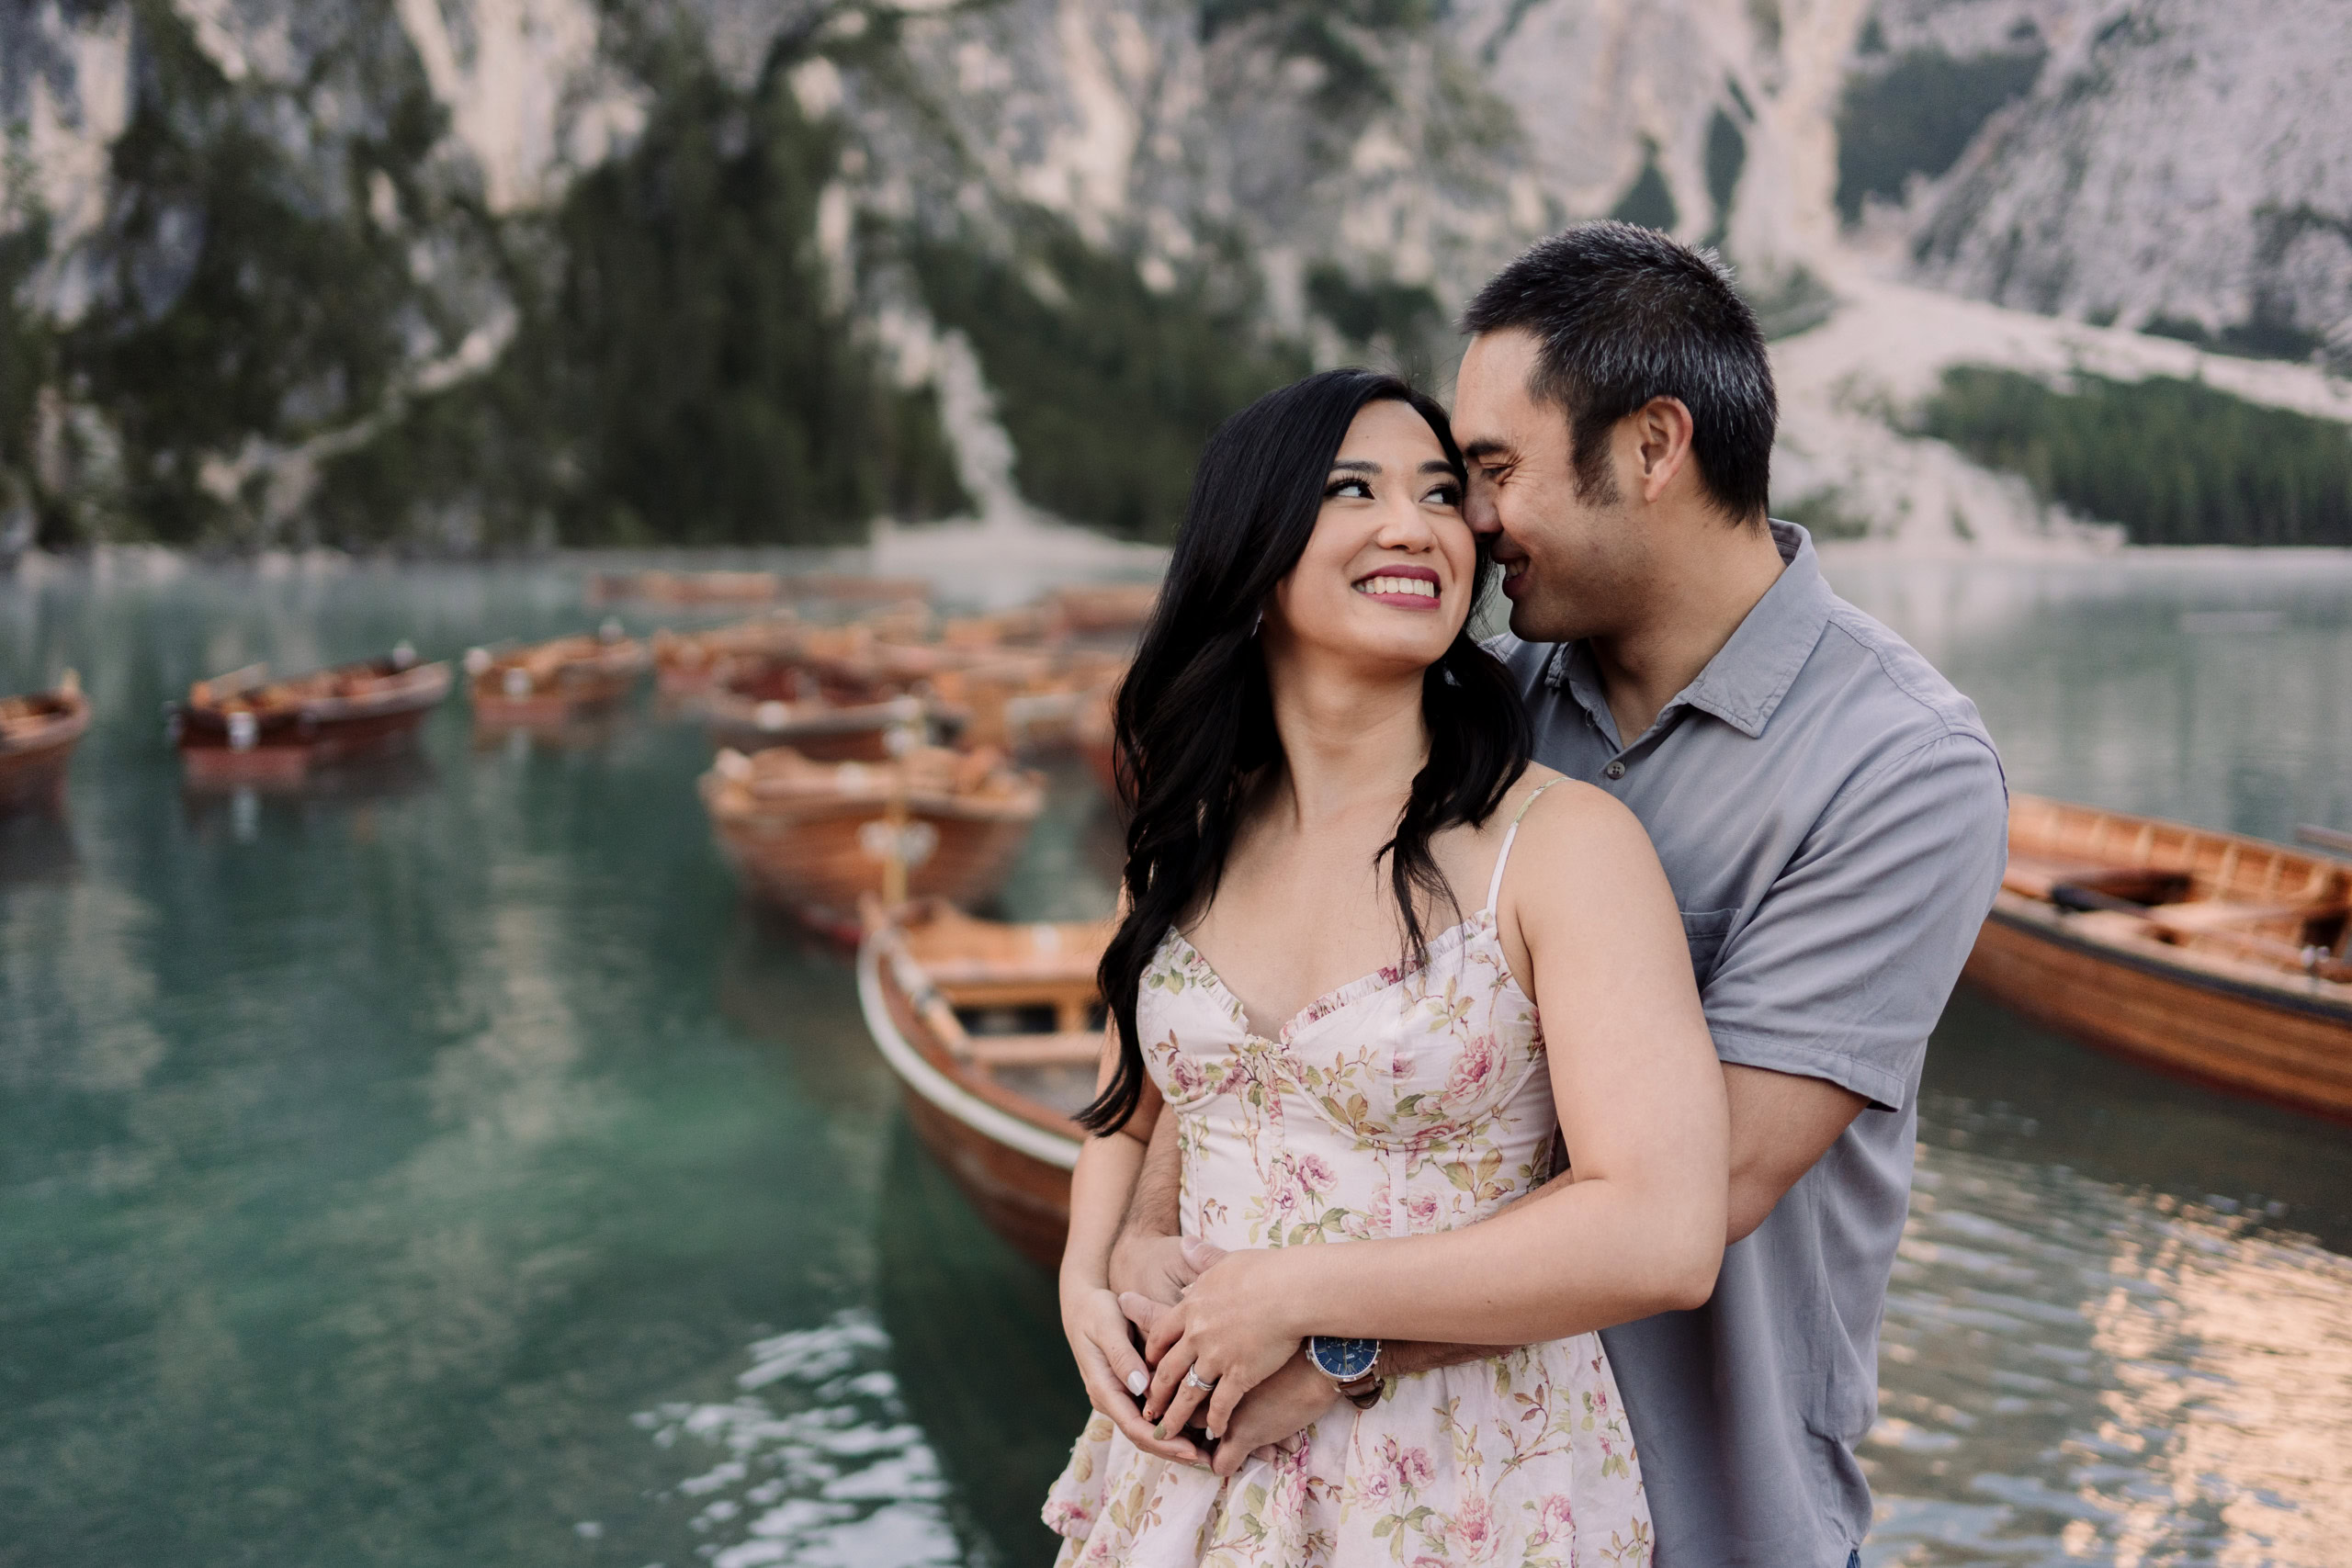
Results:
x,y
1195,721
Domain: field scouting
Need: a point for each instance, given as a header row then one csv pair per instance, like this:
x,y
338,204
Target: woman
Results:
x,y
1317,758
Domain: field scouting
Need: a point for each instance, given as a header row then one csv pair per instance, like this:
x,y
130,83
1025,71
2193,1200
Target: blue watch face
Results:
x,y
1344,1360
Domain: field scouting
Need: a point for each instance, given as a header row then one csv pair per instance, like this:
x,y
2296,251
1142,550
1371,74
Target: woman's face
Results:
x,y
1390,569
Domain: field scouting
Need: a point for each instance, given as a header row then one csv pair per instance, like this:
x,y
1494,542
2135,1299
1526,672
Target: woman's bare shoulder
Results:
x,y
1580,824
1581,868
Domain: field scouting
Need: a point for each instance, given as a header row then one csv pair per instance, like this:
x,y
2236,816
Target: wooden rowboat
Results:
x,y
994,1032
688,664
838,695
1016,699
1029,626
38,733
846,587
828,732
244,727
548,685
814,838
2209,955
660,587
1024,699
1106,606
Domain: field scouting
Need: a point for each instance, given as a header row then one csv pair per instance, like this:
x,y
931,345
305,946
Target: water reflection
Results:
x,y
37,847
1997,1087
1070,870
2121,1327
2074,1372
2204,686
768,968
348,796
79,993
592,731
813,1464
393,776
976,1340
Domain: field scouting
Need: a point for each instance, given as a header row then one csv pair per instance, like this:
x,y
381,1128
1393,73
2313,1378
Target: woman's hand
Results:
x,y
1097,1332
1274,1414
1235,1327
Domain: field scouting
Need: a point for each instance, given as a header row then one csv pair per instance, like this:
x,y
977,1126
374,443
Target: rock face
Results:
x,y
474,272
2178,166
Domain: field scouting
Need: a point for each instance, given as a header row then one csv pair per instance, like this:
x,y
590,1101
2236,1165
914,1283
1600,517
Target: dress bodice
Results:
x,y
1412,1100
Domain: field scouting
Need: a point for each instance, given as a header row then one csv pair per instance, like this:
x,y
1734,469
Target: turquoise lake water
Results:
x,y
447,1168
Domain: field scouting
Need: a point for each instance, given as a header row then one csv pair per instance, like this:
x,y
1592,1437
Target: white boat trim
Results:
x,y
954,1098
47,732
430,685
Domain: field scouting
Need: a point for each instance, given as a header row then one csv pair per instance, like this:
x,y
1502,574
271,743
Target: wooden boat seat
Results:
x,y
19,716
220,688
1083,1048
2212,914
2036,877
2219,927
1044,971
2108,926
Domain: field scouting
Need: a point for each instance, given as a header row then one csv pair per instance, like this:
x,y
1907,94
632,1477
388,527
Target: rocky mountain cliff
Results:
x,y
481,273
2175,166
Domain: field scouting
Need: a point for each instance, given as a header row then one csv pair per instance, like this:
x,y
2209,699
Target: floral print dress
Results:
x,y
1414,1100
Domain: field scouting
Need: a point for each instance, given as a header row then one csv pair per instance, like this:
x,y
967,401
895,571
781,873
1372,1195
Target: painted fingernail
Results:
x,y
1160,1431
1136,1383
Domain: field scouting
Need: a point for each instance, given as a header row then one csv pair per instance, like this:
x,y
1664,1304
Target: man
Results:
x,y
1832,817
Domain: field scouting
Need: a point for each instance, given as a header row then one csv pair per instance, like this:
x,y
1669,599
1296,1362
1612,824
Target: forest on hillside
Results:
x,y
678,370
2175,462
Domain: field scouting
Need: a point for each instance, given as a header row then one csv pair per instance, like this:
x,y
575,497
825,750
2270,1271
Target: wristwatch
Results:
x,y
1350,1364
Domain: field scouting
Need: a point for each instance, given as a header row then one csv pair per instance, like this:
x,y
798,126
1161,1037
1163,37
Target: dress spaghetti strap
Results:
x,y
1495,888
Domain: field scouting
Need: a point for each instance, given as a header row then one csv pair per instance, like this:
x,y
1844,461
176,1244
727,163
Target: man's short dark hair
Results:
x,y
1623,314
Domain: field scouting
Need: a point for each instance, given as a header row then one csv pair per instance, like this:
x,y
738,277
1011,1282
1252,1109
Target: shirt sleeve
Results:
x,y
1844,968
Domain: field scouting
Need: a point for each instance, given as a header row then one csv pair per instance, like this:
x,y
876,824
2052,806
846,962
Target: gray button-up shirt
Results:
x,y
1833,819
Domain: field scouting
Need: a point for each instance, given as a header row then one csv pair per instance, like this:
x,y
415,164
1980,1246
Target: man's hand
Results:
x,y
1115,1374
1147,1258
1159,1267
1273,1414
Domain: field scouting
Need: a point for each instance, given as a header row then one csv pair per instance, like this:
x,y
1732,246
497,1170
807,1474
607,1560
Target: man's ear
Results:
x,y
1662,442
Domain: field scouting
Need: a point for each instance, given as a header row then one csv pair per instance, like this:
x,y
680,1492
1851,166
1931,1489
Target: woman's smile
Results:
x,y
1402,587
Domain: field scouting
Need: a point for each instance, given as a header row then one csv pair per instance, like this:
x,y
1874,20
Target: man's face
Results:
x,y
1572,556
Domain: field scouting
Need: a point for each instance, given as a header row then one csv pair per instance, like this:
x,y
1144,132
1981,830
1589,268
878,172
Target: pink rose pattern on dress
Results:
x,y
1410,1101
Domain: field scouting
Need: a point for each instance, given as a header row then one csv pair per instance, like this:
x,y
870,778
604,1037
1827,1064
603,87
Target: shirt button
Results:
x,y
1615,771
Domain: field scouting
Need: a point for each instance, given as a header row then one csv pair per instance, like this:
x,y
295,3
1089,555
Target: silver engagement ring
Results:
x,y
1193,1379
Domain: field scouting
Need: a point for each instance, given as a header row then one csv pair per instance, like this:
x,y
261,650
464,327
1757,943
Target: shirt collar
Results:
x,y
1746,679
